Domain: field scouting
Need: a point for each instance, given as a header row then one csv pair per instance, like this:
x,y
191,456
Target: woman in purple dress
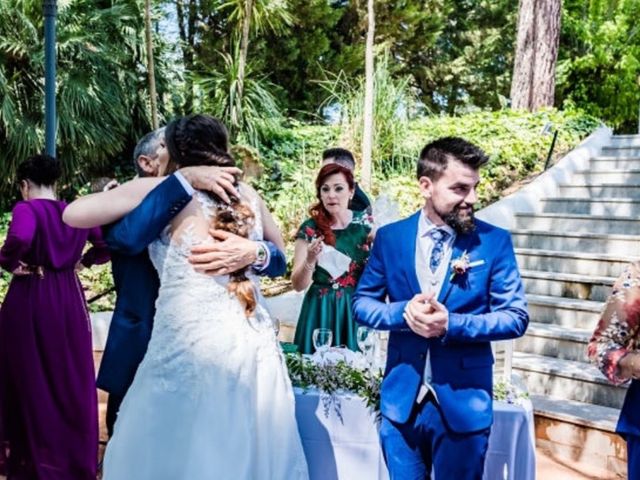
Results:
x,y
48,402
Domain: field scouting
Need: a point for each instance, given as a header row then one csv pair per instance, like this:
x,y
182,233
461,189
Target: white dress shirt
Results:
x,y
431,282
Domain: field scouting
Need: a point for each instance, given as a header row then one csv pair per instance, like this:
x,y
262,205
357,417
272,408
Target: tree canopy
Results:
x,y
451,56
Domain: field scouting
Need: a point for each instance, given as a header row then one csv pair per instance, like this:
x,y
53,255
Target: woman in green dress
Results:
x,y
327,303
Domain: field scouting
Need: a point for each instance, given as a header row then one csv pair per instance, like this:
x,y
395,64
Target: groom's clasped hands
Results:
x,y
425,316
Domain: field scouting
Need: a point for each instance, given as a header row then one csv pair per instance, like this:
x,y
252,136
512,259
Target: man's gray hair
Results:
x,y
147,146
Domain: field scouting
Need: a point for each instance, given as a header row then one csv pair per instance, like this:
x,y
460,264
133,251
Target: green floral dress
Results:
x,y
327,303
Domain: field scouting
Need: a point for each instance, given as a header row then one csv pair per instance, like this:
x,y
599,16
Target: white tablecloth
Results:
x,y
351,450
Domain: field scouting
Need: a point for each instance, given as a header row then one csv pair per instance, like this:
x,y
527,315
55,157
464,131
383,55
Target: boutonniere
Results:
x,y
460,265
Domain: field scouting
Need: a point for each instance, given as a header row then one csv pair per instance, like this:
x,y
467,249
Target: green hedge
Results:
x,y
291,158
512,139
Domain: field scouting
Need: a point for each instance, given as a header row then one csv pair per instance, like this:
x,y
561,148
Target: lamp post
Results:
x,y
50,10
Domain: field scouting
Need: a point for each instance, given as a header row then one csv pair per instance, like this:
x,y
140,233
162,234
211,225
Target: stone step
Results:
x,y
583,190
628,176
607,163
625,140
622,150
582,435
576,242
621,207
565,222
578,413
581,287
564,312
600,264
567,380
556,341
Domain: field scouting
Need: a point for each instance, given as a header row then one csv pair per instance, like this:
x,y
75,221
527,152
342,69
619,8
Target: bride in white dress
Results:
x,y
212,398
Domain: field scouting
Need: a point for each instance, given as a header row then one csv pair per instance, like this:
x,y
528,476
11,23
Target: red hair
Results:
x,y
318,212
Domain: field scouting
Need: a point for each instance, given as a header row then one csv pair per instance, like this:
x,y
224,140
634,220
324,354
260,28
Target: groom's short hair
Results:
x,y
148,146
435,156
341,156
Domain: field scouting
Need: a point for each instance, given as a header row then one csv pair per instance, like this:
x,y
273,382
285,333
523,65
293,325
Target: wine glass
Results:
x,y
366,338
276,325
322,337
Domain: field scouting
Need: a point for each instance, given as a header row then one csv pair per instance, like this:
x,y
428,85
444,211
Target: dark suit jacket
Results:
x,y
136,282
360,202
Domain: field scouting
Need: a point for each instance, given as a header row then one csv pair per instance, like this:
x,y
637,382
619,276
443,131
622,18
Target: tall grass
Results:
x,y
394,106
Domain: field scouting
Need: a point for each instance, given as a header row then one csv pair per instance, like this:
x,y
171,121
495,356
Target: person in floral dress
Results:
x,y
615,348
327,303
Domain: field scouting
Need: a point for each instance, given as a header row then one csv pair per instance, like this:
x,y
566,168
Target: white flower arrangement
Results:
x,y
508,392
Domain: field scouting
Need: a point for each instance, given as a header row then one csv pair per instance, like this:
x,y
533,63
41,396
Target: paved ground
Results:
x,y
549,468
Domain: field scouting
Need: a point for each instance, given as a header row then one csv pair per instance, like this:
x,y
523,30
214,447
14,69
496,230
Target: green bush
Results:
x,y
512,139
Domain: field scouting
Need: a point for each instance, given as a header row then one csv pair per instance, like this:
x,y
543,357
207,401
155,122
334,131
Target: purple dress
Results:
x,y
48,401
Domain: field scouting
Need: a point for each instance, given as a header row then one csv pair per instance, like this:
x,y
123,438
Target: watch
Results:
x,y
261,254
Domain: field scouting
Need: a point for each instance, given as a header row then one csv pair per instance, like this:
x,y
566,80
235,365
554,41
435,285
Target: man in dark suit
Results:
x,y
136,280
445,285
360,202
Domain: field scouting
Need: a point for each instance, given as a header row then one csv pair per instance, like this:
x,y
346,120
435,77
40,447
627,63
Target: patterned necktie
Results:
x,y
439,237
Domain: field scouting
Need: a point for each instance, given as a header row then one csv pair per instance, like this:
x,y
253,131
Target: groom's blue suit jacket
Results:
x,y
136,282
486,303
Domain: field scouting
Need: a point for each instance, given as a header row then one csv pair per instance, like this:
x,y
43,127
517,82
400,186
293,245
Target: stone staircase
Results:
x,y
569,254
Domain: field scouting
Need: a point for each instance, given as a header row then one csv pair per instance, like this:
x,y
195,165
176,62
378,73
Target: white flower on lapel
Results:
x,y
460,265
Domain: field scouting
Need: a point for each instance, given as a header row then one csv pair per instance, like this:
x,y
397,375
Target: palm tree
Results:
x,y
250,117
259,15
367,133
101,92
150,66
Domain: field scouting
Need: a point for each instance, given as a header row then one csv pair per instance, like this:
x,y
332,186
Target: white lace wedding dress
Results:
x,y
212,399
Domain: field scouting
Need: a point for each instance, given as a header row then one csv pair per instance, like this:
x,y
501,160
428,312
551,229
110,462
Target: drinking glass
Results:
x,y
276,325
366,338
322,337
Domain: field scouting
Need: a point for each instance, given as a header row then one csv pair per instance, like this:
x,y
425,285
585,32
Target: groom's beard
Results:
x,y
461,221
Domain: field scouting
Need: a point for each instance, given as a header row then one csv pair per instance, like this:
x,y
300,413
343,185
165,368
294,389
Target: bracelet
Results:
x,y
309,266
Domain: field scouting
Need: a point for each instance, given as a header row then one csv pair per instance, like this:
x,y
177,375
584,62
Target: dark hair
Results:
x,y
147,146
435,156
198,140
40,169
341,156
203,140
318,212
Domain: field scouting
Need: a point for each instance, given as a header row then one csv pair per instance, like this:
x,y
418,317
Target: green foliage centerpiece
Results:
x,y
336,371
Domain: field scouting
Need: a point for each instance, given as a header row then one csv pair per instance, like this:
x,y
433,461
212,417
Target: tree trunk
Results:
x,y
534,71
369,93
150,65
242,61
186,27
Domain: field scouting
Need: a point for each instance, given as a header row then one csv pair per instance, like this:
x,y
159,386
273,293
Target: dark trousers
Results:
x,y
412,449
633,457
113,406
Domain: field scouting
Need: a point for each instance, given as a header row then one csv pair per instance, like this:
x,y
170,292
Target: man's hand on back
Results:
x,y
229,254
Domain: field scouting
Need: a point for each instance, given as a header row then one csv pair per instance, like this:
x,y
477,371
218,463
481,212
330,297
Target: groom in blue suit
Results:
x,y
445,285
136,280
